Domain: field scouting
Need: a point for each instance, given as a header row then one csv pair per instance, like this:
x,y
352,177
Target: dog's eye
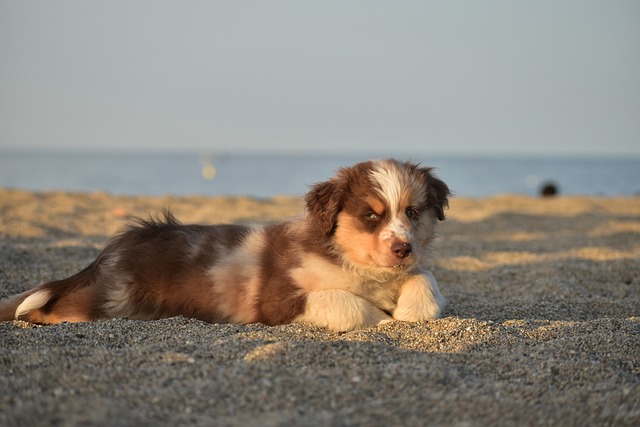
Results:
x,y
412,213
372,216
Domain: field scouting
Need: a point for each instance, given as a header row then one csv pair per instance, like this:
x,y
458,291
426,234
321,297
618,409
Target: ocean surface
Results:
x,y
266,175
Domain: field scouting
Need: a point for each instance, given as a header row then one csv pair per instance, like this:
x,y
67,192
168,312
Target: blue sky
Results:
x,y
460,77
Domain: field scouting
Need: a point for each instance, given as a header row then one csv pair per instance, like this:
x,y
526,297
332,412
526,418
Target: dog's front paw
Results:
x,y
340,311
420,299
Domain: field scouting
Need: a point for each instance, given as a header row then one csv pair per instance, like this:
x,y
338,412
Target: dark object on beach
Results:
x,y
549,189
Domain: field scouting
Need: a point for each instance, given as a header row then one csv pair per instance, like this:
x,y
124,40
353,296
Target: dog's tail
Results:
x,y
73,299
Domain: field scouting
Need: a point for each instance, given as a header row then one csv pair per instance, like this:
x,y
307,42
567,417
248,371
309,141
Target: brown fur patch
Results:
x,y
376,205
280,300
167,266
438,192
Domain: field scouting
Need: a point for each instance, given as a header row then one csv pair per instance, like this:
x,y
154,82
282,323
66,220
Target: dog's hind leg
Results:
x,y
77,305
9,306
74,299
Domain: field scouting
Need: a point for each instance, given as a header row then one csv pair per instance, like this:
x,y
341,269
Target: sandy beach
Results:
x,y
542,327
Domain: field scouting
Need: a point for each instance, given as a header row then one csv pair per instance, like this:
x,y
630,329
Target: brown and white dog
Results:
x,y
357,257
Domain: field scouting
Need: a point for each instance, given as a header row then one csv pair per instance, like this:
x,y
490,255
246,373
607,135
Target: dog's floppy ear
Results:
x,y
324,202
437,192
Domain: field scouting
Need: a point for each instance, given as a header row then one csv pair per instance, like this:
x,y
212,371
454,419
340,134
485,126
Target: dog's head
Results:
x,y
380,214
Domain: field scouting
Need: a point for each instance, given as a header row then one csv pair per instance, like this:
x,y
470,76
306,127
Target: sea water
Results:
x,y
265,175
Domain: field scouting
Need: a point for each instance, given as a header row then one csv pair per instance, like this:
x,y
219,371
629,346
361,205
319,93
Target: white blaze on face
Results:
x,y
388,178
393,186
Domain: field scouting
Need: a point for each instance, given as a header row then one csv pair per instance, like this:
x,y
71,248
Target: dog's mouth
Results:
x,y
395,265
402,266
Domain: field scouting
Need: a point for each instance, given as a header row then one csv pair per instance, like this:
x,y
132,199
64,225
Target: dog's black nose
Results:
x,y
401,249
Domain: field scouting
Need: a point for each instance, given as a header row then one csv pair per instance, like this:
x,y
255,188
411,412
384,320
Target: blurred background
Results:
x,y
261,98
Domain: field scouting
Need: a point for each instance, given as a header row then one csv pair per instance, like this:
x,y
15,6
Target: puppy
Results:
x,y
357,257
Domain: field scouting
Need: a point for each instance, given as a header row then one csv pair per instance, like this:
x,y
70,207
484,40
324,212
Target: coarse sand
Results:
x,y
542,327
